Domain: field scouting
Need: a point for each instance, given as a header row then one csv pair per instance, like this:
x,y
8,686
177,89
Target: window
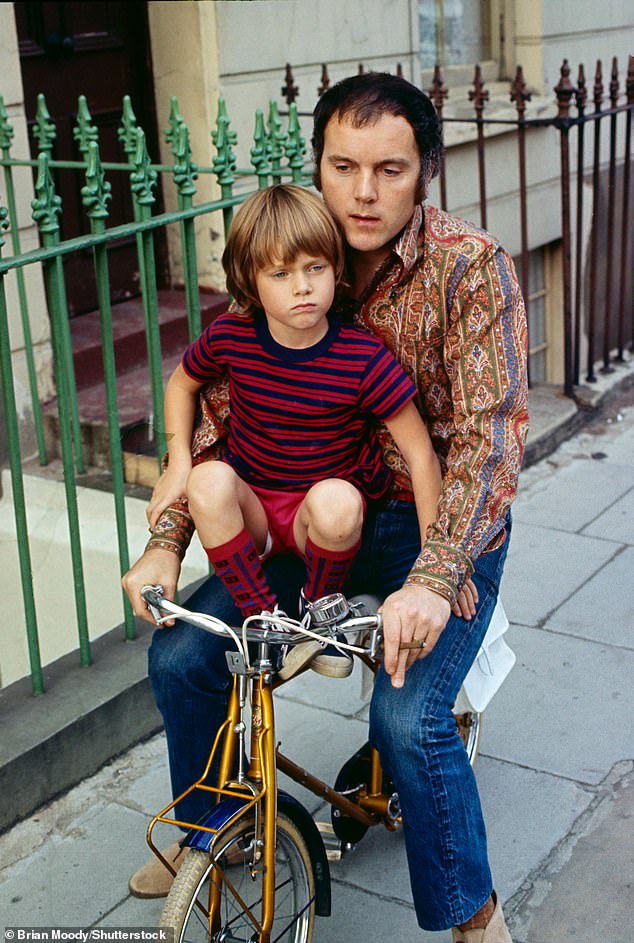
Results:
x,y
454,32
536,303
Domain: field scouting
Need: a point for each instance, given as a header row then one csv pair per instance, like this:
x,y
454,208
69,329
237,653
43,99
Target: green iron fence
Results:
x,y
275,155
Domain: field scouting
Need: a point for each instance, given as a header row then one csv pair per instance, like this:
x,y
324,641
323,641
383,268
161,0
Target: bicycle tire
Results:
x,y
470,730
294,892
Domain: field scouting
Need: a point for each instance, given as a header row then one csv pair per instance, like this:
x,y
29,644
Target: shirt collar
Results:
x,y
407,246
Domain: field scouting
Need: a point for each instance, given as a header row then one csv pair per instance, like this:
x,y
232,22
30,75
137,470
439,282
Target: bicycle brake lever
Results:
x,y
153,596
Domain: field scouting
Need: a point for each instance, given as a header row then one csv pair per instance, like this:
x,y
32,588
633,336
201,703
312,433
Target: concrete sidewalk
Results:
x,y
556,766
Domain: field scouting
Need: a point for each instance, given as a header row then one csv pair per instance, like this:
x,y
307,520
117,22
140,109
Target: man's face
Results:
x,y
369,179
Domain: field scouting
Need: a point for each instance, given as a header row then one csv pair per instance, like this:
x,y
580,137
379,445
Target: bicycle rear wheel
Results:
x,y
186,907
470,729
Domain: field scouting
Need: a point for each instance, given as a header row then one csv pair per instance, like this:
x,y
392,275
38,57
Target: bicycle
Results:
x,y
257,869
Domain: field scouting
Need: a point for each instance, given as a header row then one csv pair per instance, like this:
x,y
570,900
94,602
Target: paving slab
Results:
x,y
586,895
318,740
348,696
564,708
78,875
603,609
617,522
362,916
526,812
133,912
545,567
575,496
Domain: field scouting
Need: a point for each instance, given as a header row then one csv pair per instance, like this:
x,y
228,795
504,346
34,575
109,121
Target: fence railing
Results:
x,y
275,154
606,314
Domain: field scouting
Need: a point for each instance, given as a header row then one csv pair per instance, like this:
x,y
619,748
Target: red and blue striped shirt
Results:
x,y
301,416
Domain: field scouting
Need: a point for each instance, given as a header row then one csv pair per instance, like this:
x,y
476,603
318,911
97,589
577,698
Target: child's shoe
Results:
x,y
329,661
289,660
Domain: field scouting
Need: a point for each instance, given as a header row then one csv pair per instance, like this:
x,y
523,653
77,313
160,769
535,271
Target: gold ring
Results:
x,y
422,643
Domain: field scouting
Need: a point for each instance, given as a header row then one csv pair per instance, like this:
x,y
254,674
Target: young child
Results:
x,y
302,456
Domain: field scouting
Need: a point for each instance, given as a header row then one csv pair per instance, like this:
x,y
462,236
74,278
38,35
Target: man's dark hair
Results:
x,y
363,99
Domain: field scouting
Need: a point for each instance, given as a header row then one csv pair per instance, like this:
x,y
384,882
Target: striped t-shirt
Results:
x,y
301,416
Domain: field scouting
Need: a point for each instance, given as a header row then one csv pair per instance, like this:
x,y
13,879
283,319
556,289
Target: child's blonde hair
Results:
x,y
274,226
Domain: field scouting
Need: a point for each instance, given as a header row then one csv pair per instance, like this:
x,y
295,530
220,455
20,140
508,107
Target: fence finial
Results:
x,y
44,130
598,86
128,129
520,93
295,146
175,121
143,178
85,131
6,128
325,80
96,193
581,92
564,90
47,205
289,90
224,163
185,169
260,150
614,83
478,94
4,223
438,91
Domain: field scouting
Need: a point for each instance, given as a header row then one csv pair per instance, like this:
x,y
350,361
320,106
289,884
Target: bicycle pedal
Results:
x,y
335,847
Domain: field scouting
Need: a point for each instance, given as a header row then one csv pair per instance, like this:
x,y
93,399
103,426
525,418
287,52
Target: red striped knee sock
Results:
x,y
238,565
328,570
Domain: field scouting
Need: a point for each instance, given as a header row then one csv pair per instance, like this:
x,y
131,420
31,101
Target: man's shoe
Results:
x,y
153,879
495,931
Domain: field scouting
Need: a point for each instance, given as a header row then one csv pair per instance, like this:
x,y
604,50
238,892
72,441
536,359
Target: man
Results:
x,y
443,296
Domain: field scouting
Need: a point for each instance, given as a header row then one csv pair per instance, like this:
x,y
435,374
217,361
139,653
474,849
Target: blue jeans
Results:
x,y
412,727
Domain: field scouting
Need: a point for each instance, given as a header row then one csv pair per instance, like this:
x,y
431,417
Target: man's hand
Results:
x,y
467,601
169,488
412,614
155,566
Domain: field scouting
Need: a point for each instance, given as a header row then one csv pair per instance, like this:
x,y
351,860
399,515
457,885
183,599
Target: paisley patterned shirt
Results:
x,y
448,305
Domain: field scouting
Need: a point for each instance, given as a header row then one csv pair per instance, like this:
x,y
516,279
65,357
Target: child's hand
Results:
x,y
465,606
169,488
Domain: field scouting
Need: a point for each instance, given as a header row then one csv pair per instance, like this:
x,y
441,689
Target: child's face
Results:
x,y
296,298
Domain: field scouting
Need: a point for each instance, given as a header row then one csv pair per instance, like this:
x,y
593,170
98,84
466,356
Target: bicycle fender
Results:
x,y
302,818
218,818
222,814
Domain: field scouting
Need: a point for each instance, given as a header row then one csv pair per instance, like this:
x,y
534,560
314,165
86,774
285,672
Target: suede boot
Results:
x,y
153,879
495,931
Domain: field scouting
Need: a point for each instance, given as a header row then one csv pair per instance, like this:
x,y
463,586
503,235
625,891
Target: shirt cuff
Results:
x,y
173,530
441,568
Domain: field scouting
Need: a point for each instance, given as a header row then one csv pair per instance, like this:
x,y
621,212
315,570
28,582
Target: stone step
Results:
x,y
134,394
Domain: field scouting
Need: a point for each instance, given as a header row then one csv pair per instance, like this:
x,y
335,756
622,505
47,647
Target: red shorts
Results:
x,y
280,508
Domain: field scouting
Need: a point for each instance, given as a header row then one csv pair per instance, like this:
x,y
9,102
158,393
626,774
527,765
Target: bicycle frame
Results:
x,y
255,790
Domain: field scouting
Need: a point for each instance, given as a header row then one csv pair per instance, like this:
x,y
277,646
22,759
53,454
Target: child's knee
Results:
x,y
215,481
335,507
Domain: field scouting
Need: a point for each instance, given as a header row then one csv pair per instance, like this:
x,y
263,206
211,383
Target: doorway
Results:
x,y
100,50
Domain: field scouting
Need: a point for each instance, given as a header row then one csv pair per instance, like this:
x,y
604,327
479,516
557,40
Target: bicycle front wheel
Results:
x,y
187,905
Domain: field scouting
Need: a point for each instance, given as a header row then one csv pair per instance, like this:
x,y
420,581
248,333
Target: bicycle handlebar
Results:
x,y
325,618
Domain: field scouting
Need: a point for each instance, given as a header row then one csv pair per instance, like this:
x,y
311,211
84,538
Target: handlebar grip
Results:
x,y
153,596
